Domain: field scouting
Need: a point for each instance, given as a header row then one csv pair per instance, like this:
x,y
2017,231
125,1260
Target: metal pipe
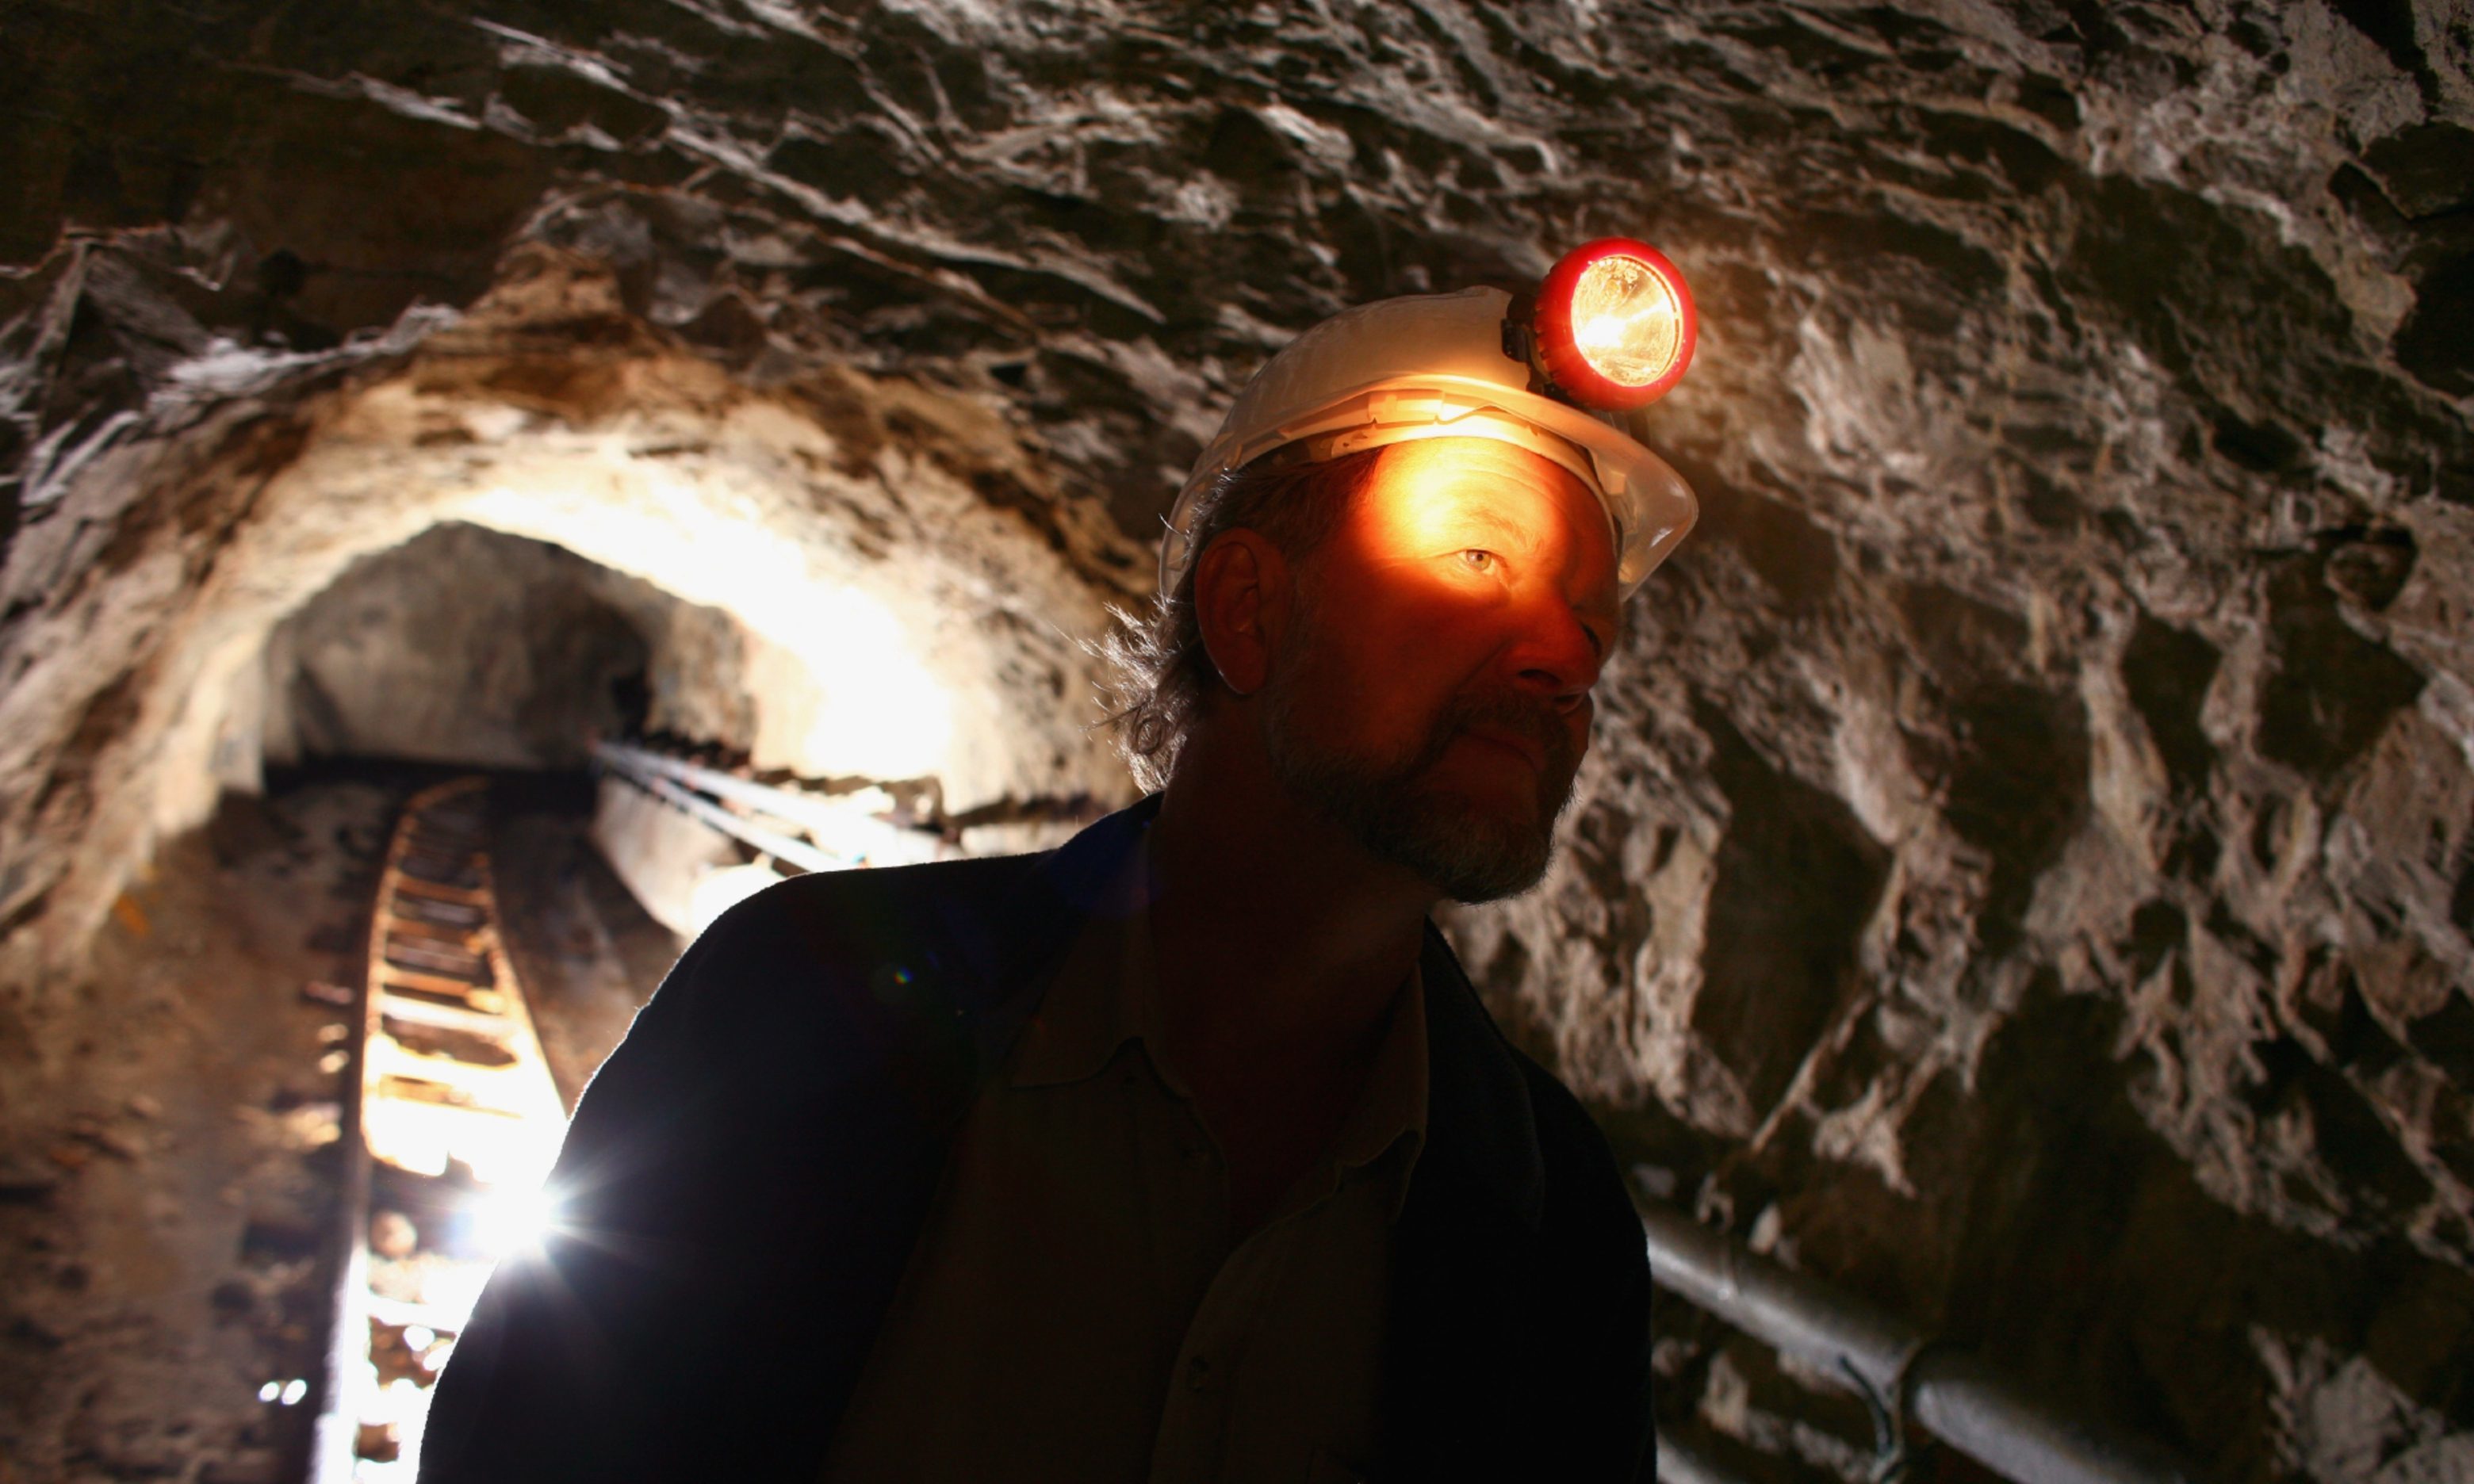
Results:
x,y
781,803
1957,1397
1681,1463
662,777
773,843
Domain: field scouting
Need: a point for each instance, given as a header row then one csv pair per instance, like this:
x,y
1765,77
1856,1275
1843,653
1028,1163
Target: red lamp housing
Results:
x,y
1615,325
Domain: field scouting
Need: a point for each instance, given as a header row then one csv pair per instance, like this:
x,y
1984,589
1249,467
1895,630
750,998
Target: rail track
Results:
x,y
450,1123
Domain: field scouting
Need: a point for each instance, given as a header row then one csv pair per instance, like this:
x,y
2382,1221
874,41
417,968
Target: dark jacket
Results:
x,y
746,1178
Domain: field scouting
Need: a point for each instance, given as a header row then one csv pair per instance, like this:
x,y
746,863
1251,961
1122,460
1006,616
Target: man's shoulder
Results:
x,y
906,922
1565,1131
1586,1194
836,912
822,981
832,965
861,899
1518,1131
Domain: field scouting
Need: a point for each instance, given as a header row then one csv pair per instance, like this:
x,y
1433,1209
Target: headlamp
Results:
x,y
1612,327
1609,329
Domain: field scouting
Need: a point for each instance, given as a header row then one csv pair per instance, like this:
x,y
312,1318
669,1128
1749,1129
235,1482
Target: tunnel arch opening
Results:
x,y
466,646
900,590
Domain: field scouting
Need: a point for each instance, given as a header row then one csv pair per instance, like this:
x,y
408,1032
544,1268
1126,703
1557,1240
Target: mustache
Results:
x,y
1508,711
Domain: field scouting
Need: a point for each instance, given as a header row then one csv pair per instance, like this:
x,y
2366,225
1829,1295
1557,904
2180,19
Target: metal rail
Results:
x,y
1952,1392
447,1085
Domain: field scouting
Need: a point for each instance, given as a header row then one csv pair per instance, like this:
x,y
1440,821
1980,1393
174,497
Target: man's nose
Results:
x,y
1556,658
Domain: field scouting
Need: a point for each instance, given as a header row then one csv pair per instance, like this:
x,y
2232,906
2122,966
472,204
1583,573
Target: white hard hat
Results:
x,y
1434,366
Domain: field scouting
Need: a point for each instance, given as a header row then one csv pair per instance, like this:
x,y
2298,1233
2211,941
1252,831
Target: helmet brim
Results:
x,y
1649,506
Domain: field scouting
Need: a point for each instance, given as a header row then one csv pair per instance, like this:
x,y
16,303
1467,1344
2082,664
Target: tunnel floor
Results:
x,y
168,1208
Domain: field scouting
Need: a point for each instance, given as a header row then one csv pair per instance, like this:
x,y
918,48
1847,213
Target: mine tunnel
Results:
x,y
485,489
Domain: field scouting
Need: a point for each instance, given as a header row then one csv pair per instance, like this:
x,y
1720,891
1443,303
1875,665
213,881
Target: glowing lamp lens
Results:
x,y
1626,320
1615,324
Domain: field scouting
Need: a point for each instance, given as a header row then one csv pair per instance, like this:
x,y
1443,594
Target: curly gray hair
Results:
x,y
1162,668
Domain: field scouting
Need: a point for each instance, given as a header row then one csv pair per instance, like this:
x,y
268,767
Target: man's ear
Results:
x,y
1241,598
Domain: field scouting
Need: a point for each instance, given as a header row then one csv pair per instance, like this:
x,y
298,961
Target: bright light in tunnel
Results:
x,y
512,1222
725,887
428,1137
455,1291
880,711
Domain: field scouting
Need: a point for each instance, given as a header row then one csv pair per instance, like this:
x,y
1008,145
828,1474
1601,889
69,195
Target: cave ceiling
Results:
x,y
2057,737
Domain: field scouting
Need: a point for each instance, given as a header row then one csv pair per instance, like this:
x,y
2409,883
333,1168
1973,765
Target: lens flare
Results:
x,y
514,1223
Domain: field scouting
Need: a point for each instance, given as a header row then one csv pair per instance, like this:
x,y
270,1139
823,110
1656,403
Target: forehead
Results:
x,y
1440,486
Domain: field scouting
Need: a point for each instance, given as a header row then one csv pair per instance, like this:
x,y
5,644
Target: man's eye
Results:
x,y
1478,561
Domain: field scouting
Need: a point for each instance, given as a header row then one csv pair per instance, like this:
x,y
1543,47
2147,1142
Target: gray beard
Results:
x,y
1394,817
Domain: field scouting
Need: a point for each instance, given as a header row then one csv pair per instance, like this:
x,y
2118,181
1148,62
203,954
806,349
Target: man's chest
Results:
x,y
1081,1306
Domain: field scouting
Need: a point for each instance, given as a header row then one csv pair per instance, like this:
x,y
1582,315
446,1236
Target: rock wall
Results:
x,y
2027,867
468,647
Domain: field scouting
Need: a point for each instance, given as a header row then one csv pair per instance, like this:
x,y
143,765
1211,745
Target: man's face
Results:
x,y
1434,696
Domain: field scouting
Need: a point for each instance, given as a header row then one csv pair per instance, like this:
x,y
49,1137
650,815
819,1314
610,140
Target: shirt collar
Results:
x,y
1394,1105
1101,997
1106,992
1482,1128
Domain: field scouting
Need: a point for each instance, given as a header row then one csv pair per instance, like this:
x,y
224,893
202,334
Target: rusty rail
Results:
x,y
448,1091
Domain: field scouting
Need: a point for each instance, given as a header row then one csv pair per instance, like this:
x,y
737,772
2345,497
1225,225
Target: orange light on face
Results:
x,y
1615,325
1419,501
1433,501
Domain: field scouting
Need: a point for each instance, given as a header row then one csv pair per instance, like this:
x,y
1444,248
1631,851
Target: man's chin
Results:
x,y
1473,836
1468,851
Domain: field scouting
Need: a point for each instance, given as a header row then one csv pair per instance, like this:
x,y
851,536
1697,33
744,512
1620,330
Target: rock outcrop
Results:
x,y
2026,869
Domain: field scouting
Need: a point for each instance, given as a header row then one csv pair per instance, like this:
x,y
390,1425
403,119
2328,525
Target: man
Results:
x,y
1184,1152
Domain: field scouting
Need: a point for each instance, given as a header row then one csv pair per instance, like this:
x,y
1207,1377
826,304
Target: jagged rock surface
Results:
x,y
2027,868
